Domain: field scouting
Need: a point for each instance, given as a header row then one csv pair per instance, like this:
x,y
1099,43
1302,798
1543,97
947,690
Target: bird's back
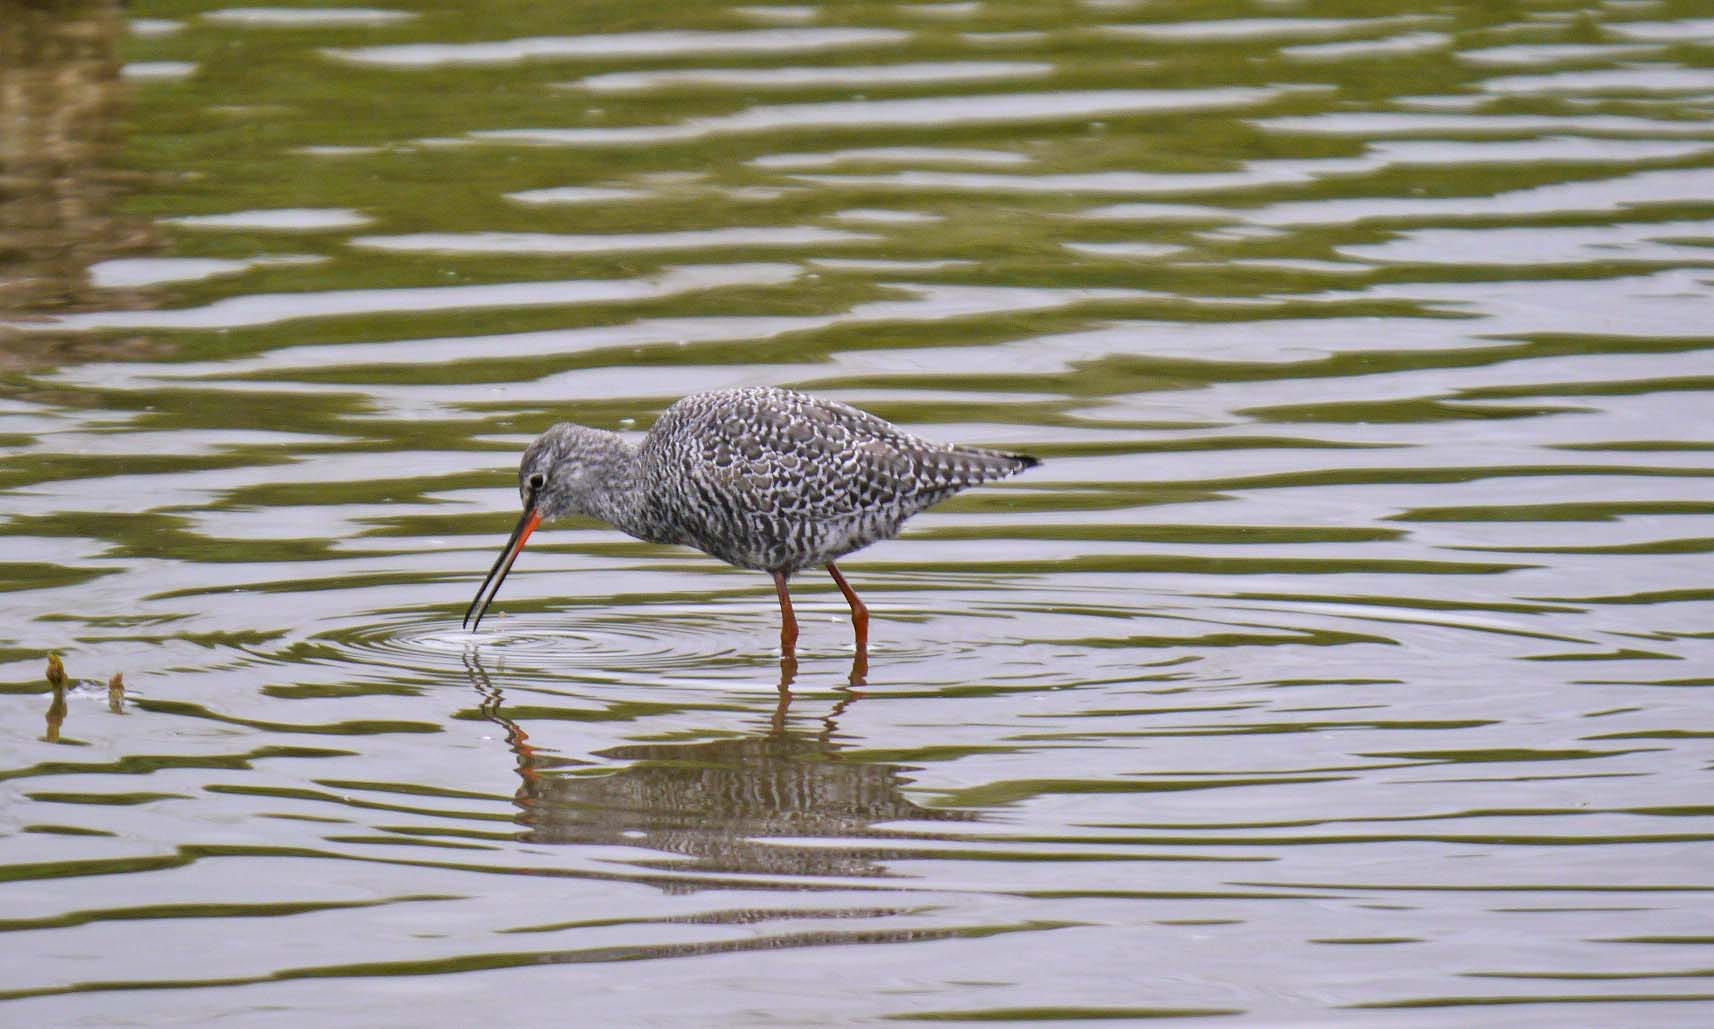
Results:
x,y
778,480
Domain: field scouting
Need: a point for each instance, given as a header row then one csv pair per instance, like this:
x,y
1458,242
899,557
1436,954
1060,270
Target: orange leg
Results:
x,y
788,620
859,611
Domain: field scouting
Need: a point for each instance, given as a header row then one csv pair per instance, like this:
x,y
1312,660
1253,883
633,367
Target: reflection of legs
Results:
x,y
788,671
788,620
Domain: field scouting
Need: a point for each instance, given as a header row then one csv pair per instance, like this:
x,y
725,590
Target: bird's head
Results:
x,y
568,470
571,470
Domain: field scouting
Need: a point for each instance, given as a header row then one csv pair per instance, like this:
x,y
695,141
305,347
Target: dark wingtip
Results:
x,y
1027,460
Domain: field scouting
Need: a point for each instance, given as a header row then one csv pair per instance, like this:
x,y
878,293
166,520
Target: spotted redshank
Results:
x,y
760,478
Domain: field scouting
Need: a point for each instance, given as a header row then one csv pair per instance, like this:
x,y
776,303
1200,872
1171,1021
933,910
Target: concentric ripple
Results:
x,y
917,638
631,641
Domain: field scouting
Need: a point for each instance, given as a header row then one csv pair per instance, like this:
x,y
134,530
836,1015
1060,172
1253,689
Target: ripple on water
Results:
x,y
922,638
636,642
1355,633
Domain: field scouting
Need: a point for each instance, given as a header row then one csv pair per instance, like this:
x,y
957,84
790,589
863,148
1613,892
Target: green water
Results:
x,y
1342,663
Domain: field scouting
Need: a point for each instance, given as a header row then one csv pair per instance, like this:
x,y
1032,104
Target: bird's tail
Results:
x,y
996,464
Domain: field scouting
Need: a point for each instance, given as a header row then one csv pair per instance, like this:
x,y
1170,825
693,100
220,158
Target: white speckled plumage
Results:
x,y
762,478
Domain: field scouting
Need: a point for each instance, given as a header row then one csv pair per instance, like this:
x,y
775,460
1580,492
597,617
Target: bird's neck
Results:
x,y
618,501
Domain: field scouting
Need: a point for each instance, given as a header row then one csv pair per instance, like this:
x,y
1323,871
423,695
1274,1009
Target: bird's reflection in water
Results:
x,y
730,804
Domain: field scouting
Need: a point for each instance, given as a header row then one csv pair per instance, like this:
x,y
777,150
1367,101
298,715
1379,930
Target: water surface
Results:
x,y
1341,663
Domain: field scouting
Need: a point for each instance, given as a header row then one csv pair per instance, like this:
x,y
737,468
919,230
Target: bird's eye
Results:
x,y
537,480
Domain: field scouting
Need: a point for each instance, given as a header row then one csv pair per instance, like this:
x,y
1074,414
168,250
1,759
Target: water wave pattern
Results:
x,y
1347,657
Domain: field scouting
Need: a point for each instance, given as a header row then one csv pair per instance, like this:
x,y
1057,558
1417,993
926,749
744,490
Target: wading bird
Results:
x,y
758,477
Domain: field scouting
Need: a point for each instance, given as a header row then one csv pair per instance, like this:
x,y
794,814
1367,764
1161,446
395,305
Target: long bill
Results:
x,y
503,565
